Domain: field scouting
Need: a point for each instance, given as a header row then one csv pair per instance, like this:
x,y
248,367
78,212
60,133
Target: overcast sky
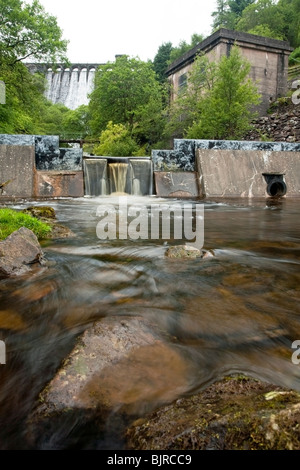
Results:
x,y
98,30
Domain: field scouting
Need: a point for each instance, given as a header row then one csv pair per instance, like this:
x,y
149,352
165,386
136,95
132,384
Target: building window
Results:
x,y
182,83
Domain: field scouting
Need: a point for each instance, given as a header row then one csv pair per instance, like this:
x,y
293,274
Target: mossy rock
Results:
x,y
41,212
235,413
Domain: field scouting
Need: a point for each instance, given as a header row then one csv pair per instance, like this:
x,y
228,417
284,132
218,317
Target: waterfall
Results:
x,y
109,175
70,87
95,181
118,177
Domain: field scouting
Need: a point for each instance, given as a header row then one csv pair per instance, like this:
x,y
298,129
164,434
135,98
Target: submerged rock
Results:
x,y
235,413
115,365
182,251
188,251
18,251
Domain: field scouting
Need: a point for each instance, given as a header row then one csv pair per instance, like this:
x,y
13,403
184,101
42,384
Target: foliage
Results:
x,y
12,220
279,20
127,92
28,31
270,18
184,46
218,102
24,100
116,141
294,58
161,61
228,13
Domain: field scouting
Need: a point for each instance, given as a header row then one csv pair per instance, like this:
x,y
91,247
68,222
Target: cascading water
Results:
x,y
104,176
118,177
95,181
70,87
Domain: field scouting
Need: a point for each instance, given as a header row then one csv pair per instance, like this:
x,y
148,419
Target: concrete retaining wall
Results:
x,y
59,184
16,170
239,173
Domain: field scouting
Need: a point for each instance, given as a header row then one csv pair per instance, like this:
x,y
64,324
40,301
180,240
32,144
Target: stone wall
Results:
x,y
282,125
36,166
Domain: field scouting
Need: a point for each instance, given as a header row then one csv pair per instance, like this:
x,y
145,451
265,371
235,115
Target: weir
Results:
x,y
109,175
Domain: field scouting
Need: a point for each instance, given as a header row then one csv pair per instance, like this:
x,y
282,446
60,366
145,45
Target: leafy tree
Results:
x,y
116,141
278,20
75,123
291,13
161,60
184,47
219,100
27,31
228,13
127,92
264,14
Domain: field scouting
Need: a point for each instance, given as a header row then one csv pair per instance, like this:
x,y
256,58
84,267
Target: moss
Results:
x,y
235,413
41,212
12,220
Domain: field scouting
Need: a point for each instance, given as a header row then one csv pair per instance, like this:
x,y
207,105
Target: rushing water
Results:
x,y
235,312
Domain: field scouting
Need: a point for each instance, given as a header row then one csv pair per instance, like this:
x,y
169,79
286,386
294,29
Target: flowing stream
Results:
x,y
237,311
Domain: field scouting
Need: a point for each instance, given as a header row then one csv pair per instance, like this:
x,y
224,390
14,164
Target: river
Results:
x,y
237,311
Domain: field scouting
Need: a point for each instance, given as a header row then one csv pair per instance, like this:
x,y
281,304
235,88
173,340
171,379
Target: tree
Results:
x,y
27,31
116,141
184,47
228,13
219,100
161,60
127,92
278,20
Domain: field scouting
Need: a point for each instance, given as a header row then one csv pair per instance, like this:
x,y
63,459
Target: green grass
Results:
x,y
11,220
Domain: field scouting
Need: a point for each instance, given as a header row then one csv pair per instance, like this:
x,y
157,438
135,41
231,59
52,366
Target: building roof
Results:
x,y
229,36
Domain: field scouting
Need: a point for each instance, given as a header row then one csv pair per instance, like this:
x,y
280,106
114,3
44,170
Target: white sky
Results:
x,y
98,30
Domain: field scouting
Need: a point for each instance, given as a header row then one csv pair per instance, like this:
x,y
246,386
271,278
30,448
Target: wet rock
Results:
x,y
11,320
235,413
59,231
182,251
18,251
115,365
41,212
47,214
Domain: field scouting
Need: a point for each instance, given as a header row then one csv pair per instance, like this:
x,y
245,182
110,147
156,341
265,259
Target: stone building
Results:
x,y
268,58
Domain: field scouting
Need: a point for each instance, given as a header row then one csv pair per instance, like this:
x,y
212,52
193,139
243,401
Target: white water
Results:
x,y
71,88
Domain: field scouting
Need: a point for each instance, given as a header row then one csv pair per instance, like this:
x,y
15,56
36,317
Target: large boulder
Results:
x,y
113,372
234,413
18,251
